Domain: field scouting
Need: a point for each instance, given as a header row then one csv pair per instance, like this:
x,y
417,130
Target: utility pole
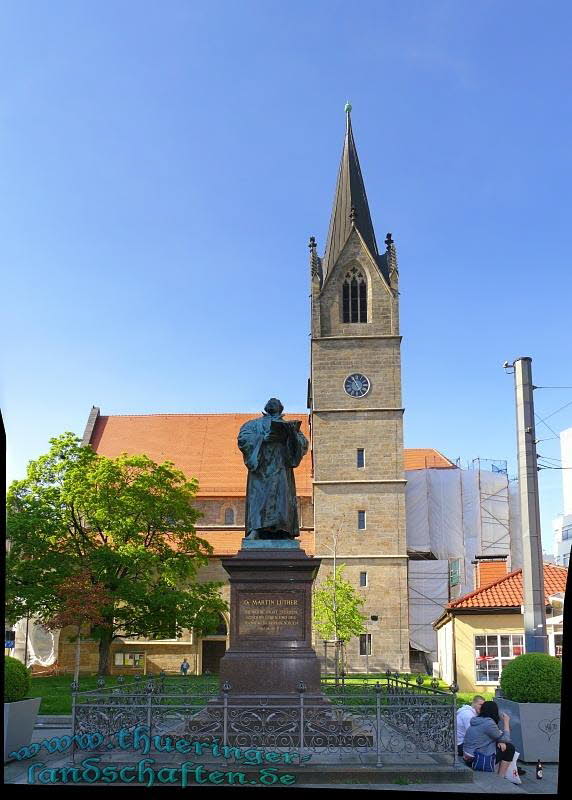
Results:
x,y
536,640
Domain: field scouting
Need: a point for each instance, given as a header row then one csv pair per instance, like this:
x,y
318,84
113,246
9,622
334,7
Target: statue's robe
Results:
x,y
270,490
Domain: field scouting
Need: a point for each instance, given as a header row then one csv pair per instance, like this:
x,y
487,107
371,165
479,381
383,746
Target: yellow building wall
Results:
x,y
466,628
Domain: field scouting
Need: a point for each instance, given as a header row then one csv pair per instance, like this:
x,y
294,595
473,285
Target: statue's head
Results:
x,y
274,406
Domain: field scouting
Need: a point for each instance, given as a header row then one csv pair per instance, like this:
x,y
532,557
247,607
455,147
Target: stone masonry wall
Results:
x,y
385,597
334,359
213,510
378,435
340,425
380,299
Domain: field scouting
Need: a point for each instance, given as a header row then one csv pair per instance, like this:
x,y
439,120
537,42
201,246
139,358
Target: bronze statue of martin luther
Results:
x,y
271,447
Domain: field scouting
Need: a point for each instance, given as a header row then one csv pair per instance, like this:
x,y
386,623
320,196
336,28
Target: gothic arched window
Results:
x,y
229,516
354,297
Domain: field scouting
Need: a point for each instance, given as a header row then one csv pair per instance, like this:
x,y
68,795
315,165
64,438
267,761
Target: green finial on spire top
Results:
x,y
348,107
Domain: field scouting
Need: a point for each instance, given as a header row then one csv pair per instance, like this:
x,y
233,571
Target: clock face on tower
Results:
x,y
356,385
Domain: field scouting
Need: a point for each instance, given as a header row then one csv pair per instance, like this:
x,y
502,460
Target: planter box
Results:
x,y
19,721
534,729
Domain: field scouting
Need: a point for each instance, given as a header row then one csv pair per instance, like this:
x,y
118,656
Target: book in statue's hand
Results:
x,y
280,429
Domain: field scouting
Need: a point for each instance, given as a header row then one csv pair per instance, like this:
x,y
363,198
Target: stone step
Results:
x,y
54,721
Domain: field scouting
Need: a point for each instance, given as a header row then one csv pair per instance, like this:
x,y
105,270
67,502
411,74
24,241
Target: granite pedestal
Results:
x,y
270,650
270,676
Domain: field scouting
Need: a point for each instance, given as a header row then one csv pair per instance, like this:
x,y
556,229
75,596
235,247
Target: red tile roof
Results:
x,y
203,446
506,592
426,458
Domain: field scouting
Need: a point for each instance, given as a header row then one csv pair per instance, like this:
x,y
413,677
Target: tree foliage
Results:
x,y
128,523
337,607
82,602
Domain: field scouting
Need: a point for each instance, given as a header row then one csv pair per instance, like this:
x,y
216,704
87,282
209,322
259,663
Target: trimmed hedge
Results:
x,y
532,678
16,680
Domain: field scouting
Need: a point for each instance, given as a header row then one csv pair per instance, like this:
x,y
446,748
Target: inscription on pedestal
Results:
x,y
267,614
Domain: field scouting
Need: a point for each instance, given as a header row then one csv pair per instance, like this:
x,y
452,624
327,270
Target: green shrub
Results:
x,y
16,680
532,678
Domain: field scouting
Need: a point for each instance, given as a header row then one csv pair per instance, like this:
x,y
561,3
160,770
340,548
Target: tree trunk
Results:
x,y
104,650
77,655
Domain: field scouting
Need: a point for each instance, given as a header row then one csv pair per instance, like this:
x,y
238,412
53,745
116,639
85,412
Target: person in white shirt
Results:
x,y
464,716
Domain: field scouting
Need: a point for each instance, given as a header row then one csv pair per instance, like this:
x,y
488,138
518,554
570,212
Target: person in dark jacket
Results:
x,y
489,734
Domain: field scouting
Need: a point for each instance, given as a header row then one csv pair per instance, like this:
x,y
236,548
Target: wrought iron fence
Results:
x,y
393,722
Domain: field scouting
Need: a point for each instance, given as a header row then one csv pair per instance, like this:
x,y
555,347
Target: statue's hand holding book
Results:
x,y
281,429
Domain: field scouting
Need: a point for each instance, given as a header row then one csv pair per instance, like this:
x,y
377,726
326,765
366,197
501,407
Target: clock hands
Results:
x,y
356,385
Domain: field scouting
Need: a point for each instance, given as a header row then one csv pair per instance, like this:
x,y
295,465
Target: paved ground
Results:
x,y
483,783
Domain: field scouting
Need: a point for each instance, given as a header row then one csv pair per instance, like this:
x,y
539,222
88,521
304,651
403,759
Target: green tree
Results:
x,y
337,612
126,521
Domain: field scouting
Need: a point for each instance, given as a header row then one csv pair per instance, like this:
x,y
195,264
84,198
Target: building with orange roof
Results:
x,y
484,629
392,516
203,446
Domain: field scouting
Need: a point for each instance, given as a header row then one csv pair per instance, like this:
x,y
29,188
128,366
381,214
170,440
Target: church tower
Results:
x,y
357,419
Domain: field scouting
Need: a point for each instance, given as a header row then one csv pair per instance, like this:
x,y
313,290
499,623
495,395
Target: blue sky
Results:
x,y
163,165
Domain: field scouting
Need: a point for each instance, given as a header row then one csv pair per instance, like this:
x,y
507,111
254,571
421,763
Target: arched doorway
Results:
x,y
213,649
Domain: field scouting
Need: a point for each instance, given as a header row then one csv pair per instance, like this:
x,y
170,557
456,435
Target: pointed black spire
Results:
x,y
350,203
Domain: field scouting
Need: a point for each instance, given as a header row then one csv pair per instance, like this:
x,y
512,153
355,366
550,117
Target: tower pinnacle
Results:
x,y
351,209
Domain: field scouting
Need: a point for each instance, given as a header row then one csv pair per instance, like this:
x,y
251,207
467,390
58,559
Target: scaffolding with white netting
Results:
x,y
454,515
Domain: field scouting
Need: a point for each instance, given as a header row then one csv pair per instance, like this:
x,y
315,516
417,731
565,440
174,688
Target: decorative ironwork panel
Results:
x,y
397,720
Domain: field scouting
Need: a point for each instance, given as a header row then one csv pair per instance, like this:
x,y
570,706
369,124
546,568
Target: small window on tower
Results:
x,y
229,516
365,644
360,458
363,579
361,520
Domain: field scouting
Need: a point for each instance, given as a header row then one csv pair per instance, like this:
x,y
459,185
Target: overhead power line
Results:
x,y
546,425
557,410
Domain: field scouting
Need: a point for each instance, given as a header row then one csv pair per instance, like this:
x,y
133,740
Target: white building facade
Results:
x,y
562,525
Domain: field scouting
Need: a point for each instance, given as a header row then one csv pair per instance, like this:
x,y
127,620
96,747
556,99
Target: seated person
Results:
x,y
464,715
485,735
